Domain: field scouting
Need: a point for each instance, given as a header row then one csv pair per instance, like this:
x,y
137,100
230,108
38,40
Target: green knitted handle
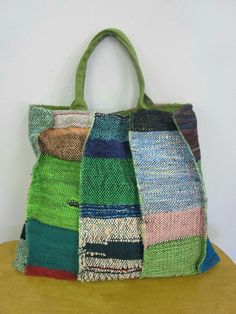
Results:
x,y
79,103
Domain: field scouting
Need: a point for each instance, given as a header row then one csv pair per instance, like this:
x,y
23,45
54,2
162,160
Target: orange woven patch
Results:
x,y
64,143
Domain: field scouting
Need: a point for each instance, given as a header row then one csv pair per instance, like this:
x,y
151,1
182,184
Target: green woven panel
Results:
x,y
40,119
55,182
52,247
21,255
173,258
114,177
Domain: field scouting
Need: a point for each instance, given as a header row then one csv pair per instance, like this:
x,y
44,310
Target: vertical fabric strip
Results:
x,y
172,202
165,171
110,244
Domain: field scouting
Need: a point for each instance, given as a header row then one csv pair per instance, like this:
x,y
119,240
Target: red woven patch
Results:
x,y
45,272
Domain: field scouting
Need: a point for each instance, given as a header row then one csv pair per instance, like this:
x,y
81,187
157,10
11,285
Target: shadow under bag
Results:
x,y
118,195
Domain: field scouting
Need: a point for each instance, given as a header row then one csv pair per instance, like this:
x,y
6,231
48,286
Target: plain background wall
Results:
x,y
187,53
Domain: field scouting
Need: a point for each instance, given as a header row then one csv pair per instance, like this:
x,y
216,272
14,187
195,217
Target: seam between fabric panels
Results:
x,y
80,252
139,196
203,189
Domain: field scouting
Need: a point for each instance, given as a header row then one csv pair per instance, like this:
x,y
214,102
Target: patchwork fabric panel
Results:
x,y
50,247
115,196
166,171
52,251
66,143
72,118
108,181
172,199
151,120
40,119
178,257
110,243
55,182
187,123
174,225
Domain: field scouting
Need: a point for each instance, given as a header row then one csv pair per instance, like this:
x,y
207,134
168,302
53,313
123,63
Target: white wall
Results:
x,y
187,52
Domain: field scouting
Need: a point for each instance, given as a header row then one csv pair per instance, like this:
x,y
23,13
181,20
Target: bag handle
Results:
x,y
144,102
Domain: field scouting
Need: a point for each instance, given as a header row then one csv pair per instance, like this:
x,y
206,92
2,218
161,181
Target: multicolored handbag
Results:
x,y
118,195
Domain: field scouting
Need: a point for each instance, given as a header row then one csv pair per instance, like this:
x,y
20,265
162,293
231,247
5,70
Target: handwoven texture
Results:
x,y
174,225
55,182
40,119
110,242
110,127
64,143
172,197
173,258
165,172
72,118
108,181
115,196
20,260
51,248
187,123
152,120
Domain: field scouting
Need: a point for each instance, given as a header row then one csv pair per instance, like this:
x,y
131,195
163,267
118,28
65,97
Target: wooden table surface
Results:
x,y
211,292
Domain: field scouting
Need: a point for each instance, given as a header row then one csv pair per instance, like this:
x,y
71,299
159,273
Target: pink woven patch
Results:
x,y
173,225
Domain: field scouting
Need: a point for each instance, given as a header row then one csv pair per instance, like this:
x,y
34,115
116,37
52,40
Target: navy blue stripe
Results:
x,y
107,148
115,250
110,211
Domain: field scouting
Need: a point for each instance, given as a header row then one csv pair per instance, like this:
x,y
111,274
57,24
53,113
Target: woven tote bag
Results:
x,y
117,195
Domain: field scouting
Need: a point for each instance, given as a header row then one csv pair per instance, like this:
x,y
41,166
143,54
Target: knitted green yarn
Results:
x,y
115,177
173,258
55,182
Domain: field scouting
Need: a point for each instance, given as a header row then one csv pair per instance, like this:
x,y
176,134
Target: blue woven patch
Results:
x,y
165,171
110,211
211,258
107,149
110,127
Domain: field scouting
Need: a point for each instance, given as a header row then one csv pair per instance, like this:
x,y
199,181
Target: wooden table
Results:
x,y
211,292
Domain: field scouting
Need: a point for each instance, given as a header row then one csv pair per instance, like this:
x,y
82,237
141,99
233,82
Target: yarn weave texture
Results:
x,y
115,196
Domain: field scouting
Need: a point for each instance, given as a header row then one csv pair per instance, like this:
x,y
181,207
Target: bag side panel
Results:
x,y
186,123
51,234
